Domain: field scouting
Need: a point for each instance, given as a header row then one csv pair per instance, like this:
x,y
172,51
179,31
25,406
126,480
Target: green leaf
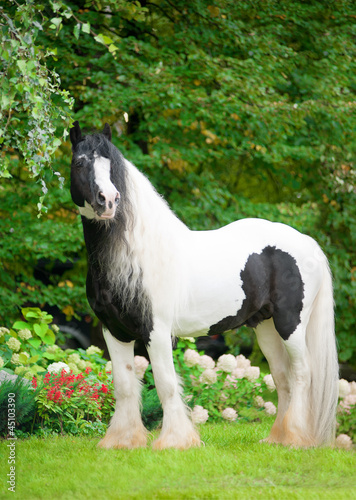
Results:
x,y
40,329
35,342
23,358
86,28
113,48
49,338
56,21
76,31
105,40
31,312
21,63
20,325
36,369
48,355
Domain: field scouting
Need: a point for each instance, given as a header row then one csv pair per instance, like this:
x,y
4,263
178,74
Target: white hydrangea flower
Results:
x,y
259,401
52,349
24,334
20,370
191,358
58,367
268,380
348,401
226,363
242,362
352,386
229,414
206,362
14,344
238,373
209,376
252,373
344,388
188,339
93,350
73,368
141,365
2,362
270,408
4,331
108,366
199,415
15,359
74,358
81,364
343,441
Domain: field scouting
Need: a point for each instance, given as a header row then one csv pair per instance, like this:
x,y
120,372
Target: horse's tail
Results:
x,y
324,366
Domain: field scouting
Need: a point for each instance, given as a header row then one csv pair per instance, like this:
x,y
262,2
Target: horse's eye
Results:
x,y
81,161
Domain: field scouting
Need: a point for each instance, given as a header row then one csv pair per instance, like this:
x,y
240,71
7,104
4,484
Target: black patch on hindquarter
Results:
x,y
274,289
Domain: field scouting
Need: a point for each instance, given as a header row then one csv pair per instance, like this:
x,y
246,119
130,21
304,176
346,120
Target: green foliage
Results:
x,y
25,347
152,412
32,101
23,399
233,110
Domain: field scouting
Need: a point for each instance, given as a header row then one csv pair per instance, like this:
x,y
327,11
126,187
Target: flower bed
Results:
x,y
72,390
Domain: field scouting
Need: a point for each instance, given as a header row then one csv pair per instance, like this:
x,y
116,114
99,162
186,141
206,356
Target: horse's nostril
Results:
x,y
100,198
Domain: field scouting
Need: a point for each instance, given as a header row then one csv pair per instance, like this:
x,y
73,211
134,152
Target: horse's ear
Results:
x,y
75,133
107,131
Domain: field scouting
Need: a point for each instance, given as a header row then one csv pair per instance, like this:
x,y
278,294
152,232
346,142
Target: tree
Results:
x,y
232,109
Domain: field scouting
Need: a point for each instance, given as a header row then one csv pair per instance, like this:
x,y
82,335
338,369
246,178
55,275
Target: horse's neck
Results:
x,y
158,239
153,219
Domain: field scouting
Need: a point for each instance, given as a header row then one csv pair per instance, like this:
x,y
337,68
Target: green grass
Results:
x,y
231,465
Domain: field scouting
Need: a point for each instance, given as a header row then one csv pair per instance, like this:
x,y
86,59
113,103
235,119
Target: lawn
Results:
x,y
231,465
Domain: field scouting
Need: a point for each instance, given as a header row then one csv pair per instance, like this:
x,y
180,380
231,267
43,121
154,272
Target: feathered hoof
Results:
x,y
128,440
177,441
291,439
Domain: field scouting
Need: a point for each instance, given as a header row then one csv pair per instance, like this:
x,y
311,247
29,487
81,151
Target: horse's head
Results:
x,y
93,187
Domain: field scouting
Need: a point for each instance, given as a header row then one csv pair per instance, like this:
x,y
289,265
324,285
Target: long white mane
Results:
x,y
153,254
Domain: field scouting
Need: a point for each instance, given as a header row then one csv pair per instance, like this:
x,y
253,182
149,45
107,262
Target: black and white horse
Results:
x,y
151,278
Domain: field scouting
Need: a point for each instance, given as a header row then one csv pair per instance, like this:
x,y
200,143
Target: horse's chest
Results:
x,y
125,322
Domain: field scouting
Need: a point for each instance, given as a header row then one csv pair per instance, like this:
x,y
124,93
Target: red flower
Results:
x,y
87,370
34,382
104,388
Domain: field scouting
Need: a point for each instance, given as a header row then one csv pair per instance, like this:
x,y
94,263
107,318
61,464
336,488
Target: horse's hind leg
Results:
x,y
297,423
177,429
272,347
126,429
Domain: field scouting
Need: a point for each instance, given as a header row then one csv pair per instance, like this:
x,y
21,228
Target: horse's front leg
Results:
x,y
126,429
177,428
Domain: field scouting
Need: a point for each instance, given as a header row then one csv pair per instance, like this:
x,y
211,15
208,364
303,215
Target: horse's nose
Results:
x,y
110,200
100,198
